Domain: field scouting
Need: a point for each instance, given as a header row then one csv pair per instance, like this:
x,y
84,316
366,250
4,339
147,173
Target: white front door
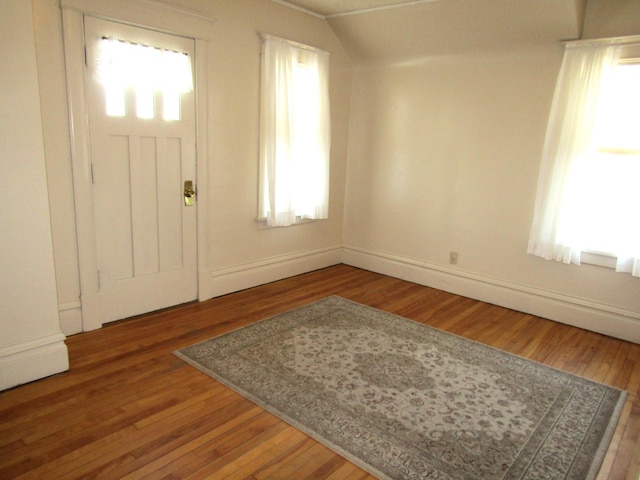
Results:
x,y
145,233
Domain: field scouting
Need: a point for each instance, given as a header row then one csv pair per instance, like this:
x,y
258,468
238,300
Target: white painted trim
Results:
x,y
17,348
147,13
352,12
578,312
382,8
626,40
240,277
73,33
300,9
28,361
69,305
203,150
70,317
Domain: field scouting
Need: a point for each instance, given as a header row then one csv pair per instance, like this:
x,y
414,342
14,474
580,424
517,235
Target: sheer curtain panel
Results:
x,y
294,133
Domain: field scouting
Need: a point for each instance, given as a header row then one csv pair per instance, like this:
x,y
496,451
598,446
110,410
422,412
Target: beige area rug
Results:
x,y
407,401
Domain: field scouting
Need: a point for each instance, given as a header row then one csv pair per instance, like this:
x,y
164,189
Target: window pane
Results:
x,y
171,106
146,70
144,103
618,120
115,100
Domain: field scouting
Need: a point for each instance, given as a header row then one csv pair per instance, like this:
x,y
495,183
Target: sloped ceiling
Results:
x,y
420,29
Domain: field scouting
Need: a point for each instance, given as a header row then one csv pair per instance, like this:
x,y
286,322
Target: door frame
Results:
x,y
145,14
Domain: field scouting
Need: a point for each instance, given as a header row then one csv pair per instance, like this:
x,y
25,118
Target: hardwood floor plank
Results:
x,y
319,464
182,450
243,454
258,458
286,466
345,471
128,408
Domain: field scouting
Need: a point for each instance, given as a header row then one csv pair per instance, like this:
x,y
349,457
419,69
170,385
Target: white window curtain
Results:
x,y
557,231
295,133
145,69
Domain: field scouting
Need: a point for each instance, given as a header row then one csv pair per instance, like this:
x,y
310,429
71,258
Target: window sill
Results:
x,y
262,223
598,259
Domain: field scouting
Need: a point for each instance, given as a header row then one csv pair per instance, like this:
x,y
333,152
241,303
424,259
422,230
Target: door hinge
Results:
x,y
93,174
99,280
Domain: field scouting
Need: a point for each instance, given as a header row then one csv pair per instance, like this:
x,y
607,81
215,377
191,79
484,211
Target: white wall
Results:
x,y
444,156
31,343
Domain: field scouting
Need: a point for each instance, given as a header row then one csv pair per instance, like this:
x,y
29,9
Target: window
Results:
x,y
294,133
123,65
588,200
608,192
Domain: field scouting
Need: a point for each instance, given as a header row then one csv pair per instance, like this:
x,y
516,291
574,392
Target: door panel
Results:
x,y
145,235
169,227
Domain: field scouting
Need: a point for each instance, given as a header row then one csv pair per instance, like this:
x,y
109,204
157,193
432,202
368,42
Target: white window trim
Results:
x,y
598,259
262,222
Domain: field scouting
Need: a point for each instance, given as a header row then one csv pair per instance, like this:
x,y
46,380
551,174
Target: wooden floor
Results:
x,y
128,408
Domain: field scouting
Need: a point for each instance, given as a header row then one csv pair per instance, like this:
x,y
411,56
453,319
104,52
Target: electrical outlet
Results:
x,y
453,258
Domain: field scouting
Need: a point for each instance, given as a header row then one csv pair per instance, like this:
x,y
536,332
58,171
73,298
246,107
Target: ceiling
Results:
x,y
407,31
329,8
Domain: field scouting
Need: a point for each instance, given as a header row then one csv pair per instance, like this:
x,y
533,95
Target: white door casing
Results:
x,y
145,234
159,17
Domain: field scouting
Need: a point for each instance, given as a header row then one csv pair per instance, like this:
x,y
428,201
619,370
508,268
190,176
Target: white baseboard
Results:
x,y
577,312
70,317
214,283
28,361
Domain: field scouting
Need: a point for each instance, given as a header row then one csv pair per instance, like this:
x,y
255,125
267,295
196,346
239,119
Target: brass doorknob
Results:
x,y
189,193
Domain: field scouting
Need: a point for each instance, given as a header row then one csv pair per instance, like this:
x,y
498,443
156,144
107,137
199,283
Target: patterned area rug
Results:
x,y
407,401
